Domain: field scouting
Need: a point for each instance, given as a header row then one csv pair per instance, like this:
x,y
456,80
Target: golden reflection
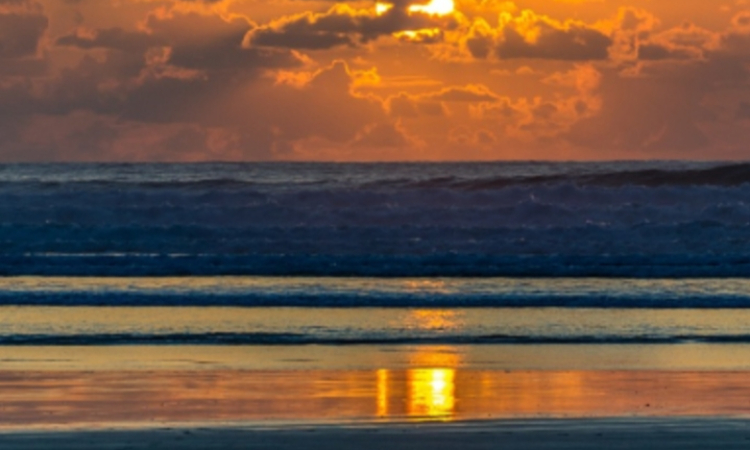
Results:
x,y
31,398
382,393
433,319
431,385
432,393
435,356
424,285
427,391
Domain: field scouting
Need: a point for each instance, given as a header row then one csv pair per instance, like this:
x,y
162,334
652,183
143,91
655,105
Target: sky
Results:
x,y
249,80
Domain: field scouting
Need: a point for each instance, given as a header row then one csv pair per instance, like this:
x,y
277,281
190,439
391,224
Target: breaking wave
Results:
x,y
622,219
303,339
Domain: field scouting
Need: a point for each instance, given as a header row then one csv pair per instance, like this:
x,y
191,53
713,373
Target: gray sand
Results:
x,y
662,434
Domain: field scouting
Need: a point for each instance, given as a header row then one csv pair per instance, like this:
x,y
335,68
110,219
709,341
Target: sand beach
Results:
x,y
434,399
669,434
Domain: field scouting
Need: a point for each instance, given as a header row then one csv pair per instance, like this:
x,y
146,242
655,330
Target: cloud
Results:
x,y
743,111
659,111
673,101
533,36
256,120
470,93
657,52
343,25
405,105
22,26
193,40
179,71
203,79
464,136
434,104
382,135
110,38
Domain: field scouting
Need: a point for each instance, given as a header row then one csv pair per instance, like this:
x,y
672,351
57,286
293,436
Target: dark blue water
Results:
x,y
642,220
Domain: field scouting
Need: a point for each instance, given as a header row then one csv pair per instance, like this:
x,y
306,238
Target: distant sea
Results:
x,y
454,237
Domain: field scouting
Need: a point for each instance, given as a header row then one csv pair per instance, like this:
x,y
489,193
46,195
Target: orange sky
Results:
x,y
195,80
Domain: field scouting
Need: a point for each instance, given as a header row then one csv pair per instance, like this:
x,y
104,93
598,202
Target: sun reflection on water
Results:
x,y
382,398
428,394
427,319
427,391
432,393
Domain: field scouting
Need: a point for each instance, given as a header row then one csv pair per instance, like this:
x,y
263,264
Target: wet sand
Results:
x,y
417,397
662,434
96,399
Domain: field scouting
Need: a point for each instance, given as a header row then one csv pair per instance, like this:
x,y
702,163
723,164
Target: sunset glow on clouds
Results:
x,y
192,80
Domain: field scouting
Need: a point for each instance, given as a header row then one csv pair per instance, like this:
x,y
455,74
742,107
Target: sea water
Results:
x,y
643,220
349,254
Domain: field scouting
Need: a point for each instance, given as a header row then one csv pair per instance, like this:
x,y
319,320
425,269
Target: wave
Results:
x,y
655,219
725,175
656,300
734,263
303,339
394,175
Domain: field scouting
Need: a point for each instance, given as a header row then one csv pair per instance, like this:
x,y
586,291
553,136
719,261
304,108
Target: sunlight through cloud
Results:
x,y
382,8
435,7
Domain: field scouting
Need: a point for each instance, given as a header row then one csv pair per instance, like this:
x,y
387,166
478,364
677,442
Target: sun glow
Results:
x,y
424,35
382,8
435,7
432,393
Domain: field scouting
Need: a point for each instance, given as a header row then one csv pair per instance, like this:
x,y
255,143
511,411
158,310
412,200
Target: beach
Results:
x,y
220,377
423,397
419,408
540,434
45,400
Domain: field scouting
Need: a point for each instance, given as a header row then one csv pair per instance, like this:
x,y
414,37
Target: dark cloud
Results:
x,y
463,94
743,111
111,38
432,103
194,41
405,105
181,68
381,135
534,36
169,72
21,32
575,43
479,47
656,52
342,25
652,114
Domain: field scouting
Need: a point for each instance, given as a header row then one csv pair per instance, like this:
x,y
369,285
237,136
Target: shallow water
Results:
x,y
376,292
294,326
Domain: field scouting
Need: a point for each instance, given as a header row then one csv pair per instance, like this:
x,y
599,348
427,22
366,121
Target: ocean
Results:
x,y
382,276
454,236
627,219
